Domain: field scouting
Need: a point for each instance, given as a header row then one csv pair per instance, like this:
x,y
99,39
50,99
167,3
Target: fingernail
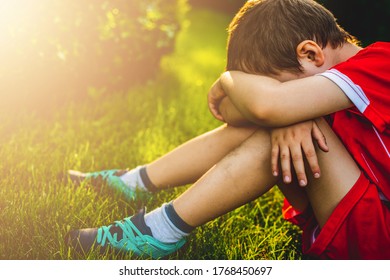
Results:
x,y
316,175
302,183
287,179
275,173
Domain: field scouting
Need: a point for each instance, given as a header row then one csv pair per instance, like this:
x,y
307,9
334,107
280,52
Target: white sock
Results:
x,y
132,179
161,226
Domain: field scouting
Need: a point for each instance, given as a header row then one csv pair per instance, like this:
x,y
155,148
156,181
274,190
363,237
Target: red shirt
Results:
x,y
364,129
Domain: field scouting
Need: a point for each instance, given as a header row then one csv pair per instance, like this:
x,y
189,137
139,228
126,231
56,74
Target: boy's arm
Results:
x,y
288,143
268,102
250,92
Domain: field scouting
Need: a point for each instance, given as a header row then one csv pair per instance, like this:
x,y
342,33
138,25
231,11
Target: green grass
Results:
x,y
125,129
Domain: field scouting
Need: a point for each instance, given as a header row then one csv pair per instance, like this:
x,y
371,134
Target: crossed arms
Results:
x,y
267,102
287,108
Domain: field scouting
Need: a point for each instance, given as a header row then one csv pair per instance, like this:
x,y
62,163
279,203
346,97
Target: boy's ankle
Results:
x,y
146,180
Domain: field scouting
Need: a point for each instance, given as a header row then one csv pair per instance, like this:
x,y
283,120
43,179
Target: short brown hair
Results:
x,y
264,34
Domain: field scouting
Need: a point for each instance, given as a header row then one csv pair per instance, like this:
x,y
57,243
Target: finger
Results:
x,y
311,157
320,138
216,113
275,160
285,163
214,109
299,166
216,92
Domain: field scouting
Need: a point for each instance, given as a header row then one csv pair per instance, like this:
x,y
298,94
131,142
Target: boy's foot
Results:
x,y
123,236
111,178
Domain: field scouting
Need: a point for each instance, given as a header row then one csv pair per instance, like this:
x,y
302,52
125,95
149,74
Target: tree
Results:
x,y
53,48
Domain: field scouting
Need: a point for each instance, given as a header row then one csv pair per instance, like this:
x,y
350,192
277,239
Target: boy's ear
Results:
x,y
310,51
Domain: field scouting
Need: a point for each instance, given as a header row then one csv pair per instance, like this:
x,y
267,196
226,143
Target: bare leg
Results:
x,y
240,177
339,174
188,162
245,174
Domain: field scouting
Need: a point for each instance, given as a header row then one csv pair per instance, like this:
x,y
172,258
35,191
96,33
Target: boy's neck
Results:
x,y
345,52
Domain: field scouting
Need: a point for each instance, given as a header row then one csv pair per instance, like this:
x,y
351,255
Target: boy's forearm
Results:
x,y
268,102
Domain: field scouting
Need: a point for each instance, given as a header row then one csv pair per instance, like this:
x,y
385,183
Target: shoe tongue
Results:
x,y
115,229
138,220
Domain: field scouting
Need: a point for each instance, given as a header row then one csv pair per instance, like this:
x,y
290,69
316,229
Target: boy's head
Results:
x,y
264,35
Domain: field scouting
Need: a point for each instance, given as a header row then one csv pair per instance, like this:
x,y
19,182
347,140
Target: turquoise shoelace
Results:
x,y
104,235
105,174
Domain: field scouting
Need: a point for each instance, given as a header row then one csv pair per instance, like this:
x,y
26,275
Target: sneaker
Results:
x,y
111,178
123,236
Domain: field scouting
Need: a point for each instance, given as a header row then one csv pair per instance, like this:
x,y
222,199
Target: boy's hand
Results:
x,y
288,144
215,96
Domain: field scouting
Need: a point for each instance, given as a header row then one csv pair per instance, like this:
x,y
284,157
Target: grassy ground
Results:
x,y
125,129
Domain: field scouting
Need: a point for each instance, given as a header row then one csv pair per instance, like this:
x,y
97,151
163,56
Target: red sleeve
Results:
x,y
365,79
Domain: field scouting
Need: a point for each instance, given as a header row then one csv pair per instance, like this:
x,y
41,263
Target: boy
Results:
x,y
342,207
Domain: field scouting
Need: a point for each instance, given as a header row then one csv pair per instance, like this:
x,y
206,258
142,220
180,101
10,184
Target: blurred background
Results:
x,y
52,50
